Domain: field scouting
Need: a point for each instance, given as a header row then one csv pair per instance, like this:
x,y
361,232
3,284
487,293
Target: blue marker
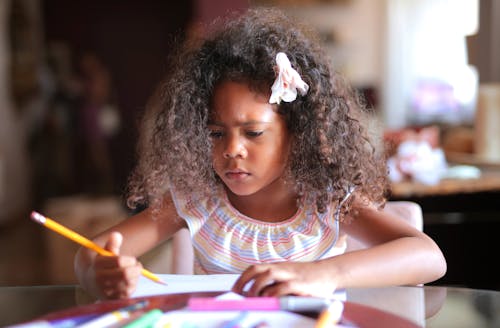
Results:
x,y
115,316
57,323
71,322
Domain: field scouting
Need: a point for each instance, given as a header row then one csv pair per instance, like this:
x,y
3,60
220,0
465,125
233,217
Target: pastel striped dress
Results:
x,y
226,241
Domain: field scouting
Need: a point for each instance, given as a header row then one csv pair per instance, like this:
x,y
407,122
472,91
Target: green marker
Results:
x,y
146,320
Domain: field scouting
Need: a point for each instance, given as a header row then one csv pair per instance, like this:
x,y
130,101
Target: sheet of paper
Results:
x,y
180,283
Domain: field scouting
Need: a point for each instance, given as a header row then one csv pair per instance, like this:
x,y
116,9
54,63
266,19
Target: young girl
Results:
x,y
258,148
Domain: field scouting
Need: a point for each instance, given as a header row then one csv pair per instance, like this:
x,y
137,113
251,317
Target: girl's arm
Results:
x,y
396,254
116,276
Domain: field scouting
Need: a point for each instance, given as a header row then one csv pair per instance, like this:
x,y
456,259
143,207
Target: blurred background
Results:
x,y
76,75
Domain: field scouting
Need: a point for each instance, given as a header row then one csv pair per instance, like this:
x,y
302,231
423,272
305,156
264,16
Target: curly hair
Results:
x,y
331,150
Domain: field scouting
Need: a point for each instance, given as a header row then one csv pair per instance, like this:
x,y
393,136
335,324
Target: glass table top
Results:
x,y
429,306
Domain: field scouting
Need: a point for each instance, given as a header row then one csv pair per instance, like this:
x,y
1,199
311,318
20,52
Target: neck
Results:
x,y
277,206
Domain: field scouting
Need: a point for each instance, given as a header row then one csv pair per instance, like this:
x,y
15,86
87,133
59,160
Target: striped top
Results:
x,y
226,241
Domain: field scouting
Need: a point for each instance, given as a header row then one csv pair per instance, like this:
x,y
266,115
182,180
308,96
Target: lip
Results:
x,y
236,174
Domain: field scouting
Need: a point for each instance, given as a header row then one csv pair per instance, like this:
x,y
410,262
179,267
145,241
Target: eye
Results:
x,y
214,134
254,134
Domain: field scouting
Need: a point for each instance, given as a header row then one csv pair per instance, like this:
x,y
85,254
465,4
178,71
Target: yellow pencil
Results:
x,y
331,315
70,234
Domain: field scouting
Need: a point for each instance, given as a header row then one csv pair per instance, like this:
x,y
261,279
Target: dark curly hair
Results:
x,y
331,150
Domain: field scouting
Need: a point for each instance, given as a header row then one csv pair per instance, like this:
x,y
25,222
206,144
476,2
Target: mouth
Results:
x,y
236,174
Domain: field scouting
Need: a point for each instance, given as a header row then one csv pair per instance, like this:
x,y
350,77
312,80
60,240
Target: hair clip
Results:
x,y
287,82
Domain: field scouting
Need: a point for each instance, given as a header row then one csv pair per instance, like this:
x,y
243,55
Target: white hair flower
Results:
x,y
287,83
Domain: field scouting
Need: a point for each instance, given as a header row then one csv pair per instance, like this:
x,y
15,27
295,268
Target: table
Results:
x,y
453,195
488,181
463,217
432,306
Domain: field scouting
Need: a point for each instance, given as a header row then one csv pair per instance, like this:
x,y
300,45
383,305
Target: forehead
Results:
x,y
236,101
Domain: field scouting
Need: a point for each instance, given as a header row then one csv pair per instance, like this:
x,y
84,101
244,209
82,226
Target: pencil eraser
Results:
x,y
37,217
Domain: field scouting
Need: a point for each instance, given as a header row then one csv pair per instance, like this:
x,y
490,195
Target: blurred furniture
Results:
x,y
463,217
86,215
488,181
450,194
459,144
454,195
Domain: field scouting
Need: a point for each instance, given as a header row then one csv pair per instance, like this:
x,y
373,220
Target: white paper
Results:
x,y
185,283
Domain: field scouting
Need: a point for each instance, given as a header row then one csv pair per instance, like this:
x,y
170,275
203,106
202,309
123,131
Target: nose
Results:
x,y
235,148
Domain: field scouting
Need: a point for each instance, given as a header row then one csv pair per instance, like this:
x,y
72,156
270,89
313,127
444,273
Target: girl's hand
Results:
x,y
286,278
116,276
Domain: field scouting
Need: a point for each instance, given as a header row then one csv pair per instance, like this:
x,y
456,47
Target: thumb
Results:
x,y
114,242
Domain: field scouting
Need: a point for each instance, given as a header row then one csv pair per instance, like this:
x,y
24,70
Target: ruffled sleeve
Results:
x,y
194,210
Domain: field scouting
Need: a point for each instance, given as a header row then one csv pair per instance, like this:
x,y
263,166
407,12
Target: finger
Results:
x,y
247,276
261,281
128,290
300,288
113,294
111,262
114,242
131,286
108,288
118,283
117,274
131,275
284,288
276,289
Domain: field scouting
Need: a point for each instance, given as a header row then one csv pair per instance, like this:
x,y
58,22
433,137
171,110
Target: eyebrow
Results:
x,y
240,124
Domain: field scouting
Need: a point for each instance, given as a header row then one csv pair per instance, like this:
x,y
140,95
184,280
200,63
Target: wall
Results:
x,y
14,122
354,29
485,45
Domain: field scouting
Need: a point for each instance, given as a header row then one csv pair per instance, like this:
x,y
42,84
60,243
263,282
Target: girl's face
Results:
x,y
250,140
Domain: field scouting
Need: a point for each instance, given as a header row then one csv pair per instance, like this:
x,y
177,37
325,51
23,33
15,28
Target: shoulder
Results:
x,y
189,206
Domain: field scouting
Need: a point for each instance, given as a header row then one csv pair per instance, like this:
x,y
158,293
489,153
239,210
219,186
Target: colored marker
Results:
x,y
238,322
71,322
146,320
114,317
330,315
70,234
286,303
57,323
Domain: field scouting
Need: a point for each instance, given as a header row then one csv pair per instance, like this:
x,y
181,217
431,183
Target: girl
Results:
x,y
258,148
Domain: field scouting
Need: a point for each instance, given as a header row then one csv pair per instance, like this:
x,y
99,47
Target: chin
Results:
x,y
241,190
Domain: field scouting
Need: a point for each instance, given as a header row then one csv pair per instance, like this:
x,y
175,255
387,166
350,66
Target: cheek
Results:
x,y
281,150
215,156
